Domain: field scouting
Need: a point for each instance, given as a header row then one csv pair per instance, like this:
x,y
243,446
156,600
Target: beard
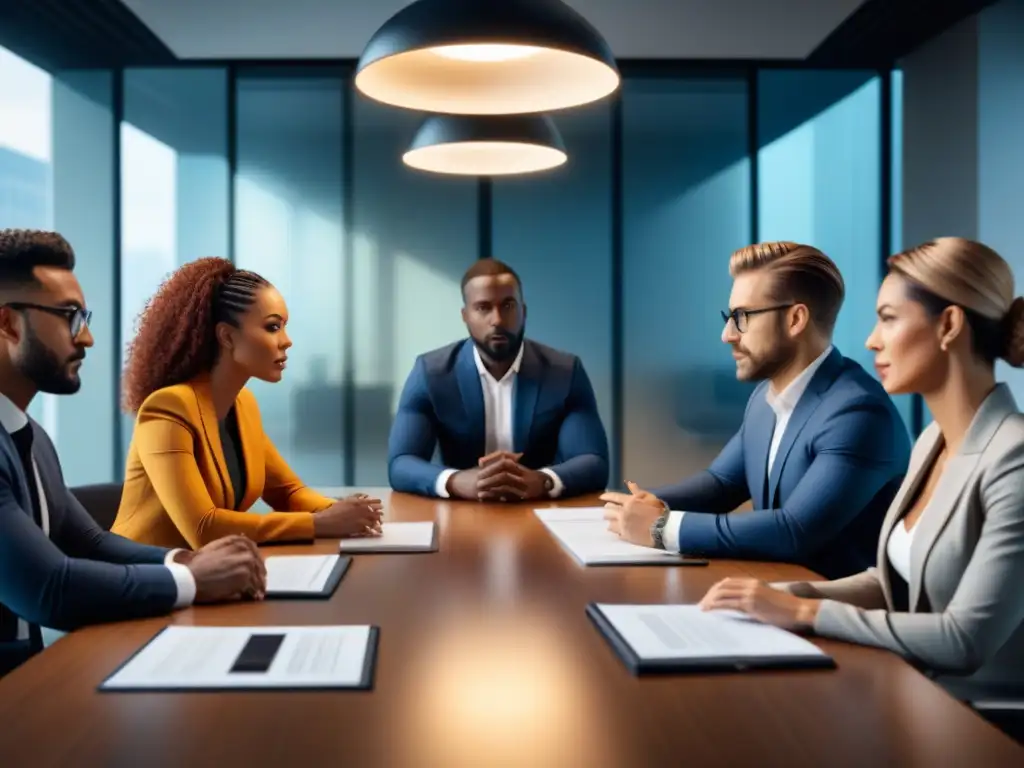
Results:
x,y
45,369
764,365
505,351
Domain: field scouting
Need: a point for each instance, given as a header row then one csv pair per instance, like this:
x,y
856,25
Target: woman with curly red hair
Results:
x,y
199,458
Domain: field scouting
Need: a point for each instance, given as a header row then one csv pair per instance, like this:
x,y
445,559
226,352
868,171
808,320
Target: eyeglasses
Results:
x,y
740,317
78,318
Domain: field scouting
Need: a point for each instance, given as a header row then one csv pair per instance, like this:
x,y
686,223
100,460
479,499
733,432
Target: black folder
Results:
x,y
640,666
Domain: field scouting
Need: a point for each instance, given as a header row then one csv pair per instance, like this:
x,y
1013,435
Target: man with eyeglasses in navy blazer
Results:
x,y
58,568
821,451
512,419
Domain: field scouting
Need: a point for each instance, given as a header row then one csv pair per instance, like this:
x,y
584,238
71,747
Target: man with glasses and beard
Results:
x,y
821,451
58,568
513,419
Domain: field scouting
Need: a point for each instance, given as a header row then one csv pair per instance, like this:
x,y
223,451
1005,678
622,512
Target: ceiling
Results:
x,y
868,34
309,29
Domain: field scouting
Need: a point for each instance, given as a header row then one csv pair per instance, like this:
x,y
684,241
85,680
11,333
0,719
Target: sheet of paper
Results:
x,y
571,515
584,533
396,537
248,657
299,573
686,632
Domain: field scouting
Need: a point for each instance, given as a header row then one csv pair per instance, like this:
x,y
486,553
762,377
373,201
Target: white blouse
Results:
x,y
898,548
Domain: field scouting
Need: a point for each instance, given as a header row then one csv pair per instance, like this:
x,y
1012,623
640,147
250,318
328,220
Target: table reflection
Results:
x,y
502,689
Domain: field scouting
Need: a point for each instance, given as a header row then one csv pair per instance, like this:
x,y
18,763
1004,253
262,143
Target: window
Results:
x,y
289,228
686,208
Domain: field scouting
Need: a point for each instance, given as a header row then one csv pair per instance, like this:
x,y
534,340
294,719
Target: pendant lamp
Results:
x,y
487,57
486,145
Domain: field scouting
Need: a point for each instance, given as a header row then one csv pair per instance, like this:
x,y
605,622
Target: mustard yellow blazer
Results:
x,y
177,491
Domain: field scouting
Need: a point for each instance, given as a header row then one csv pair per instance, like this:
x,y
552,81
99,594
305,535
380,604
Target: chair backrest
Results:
x,y
100,501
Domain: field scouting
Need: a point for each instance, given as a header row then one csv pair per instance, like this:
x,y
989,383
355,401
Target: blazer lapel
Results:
x,y
526,391
958,470
805,407
211,432
472,397
758,430
941,505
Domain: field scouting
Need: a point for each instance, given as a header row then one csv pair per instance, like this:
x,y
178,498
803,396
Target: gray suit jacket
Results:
x,y
962,618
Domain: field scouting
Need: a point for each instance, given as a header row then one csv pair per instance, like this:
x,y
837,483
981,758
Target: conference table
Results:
x,y
486,658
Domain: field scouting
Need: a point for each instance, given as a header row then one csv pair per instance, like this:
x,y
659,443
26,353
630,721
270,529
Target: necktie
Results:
x,y
23,442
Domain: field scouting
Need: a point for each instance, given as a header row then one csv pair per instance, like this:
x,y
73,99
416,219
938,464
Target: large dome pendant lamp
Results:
x,y
486,145
487,57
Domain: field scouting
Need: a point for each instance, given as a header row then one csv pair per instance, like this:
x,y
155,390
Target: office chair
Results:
x,y
101,501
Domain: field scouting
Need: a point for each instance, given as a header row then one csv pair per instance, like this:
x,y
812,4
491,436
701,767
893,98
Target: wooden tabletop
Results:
x,y
487,659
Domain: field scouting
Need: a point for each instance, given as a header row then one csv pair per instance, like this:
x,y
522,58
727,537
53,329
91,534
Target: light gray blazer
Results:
x,y
965,623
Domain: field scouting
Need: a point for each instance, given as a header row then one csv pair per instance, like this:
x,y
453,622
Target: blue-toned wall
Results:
x,y
963,152
1001,144
819,181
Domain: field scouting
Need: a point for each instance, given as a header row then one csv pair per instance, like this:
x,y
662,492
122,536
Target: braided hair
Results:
x,y
176,339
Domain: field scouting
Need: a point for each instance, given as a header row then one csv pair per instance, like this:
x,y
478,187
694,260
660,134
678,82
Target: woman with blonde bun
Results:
x,y
948,590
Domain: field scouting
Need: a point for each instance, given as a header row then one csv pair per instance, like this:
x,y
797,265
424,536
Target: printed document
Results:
x,y
686,632
299,573
396,537
184,658
583,531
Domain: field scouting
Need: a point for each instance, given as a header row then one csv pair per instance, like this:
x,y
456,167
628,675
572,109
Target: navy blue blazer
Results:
x,y
841,460
556,423
78,575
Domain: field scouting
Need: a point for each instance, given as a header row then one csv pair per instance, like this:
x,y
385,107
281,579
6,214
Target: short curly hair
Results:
x,y
176,339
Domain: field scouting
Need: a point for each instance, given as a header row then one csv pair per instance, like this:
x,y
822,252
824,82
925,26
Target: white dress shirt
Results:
x,y
783,403
12,418
499,419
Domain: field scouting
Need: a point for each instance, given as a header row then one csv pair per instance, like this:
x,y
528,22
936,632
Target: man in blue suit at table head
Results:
x,y
821,450
512,419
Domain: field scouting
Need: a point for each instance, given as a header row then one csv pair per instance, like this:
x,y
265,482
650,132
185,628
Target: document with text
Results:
x,y
304,575
584,533
681,637
244,658
396,537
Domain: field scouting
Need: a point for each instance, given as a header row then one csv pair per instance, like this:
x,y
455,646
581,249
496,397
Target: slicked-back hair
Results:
x,y
800,273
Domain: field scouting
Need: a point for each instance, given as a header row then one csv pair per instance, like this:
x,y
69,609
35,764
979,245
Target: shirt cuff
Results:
x,y
670,534
184,580
557,488
171,554
441,486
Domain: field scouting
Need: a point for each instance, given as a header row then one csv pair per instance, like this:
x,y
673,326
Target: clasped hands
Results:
x,y
498,476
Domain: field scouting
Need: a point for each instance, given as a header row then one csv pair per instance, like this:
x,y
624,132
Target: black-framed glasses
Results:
x,y
78,318
741,316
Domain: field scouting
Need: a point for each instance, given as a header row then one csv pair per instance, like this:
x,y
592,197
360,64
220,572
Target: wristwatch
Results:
x,y
658,529
549,484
